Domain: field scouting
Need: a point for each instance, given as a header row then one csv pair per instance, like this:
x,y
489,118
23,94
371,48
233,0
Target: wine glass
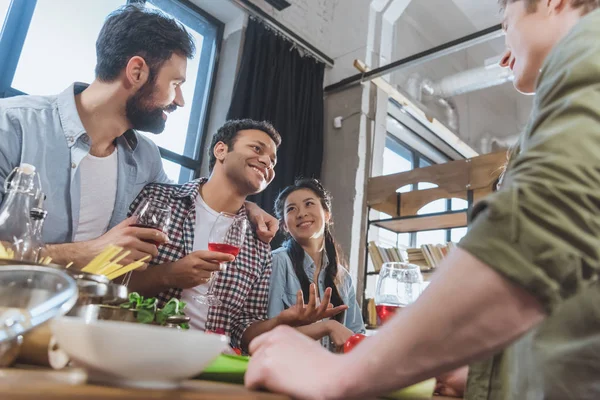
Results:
x,y
153,214
226,236
398,285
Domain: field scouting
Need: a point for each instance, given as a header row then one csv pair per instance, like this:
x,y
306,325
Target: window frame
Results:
x,y
417,161
15,27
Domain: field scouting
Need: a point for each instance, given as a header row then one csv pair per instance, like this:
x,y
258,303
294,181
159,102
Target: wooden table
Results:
x,y
23,384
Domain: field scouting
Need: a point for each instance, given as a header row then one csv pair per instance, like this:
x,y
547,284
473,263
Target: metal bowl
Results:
x,y
11,262
29,296
97,289
94,312
117,294
92,288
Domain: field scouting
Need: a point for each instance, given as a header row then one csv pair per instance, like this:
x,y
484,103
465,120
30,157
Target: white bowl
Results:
x,y
133,354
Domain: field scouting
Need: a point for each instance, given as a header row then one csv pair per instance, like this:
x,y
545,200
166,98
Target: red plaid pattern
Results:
x,y
243,287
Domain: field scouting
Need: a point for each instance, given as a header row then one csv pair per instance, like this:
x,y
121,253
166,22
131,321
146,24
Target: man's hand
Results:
x,y
141,242
453,383
304,314
194,269
265,224
288,362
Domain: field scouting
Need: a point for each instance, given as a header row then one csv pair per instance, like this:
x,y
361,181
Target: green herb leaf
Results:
x,y
145,316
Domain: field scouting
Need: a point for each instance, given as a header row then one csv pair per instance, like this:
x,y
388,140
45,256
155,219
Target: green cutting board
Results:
x,y
230,368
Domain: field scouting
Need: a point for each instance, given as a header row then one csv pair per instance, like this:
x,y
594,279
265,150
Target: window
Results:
x,y
398,157
61,40
4,4
58,36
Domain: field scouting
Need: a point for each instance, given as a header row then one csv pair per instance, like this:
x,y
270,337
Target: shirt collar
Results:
x,y
190,190
69,117
309,264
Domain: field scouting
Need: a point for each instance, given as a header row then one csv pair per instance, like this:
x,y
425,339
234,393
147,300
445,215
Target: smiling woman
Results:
x,y
310,254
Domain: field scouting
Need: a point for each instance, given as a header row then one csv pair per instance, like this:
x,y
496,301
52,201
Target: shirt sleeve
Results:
x,y
277,286
542,229
138,199
160,176
10,148
256,303
354,320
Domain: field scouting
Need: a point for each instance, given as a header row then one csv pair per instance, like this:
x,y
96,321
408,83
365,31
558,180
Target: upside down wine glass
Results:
x,y
398,285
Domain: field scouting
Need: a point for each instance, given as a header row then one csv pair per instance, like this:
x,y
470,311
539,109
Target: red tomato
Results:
x,y
353,341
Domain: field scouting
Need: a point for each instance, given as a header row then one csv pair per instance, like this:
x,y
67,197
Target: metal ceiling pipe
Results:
x,y
472,80
416,86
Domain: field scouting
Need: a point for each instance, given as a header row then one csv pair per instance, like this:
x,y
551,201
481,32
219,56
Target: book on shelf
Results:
x,y
371,313
429,255
380,255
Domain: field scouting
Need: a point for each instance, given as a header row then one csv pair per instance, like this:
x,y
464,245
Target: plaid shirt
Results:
x,y
243,287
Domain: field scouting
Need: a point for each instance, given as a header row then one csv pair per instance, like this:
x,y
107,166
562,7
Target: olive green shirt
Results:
x,y
541,231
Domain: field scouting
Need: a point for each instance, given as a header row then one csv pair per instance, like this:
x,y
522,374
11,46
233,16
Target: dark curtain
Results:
x,y
275,83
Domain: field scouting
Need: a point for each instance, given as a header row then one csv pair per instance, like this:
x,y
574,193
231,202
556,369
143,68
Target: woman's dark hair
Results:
x,y
296,252
134,30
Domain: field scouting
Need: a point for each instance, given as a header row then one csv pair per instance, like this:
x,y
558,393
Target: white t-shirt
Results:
x,y
205,219
98,192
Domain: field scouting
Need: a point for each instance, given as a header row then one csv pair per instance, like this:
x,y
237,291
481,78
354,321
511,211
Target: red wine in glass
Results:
x,y
153,214
224,248
386,312
156,243
226,236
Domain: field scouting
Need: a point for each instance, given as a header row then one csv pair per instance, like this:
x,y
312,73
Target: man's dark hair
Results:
x,y
228,133
134,30
531,5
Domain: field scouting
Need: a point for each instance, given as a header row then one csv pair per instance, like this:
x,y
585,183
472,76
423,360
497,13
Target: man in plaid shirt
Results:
x,y
242,161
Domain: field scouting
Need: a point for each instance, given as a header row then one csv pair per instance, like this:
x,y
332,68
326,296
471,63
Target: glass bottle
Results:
x,y
22,189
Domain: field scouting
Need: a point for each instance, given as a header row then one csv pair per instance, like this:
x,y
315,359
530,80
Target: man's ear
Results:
x,y
137,72
220,151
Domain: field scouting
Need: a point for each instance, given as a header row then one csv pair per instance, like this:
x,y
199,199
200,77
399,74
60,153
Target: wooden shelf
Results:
x,y
418,223
471,180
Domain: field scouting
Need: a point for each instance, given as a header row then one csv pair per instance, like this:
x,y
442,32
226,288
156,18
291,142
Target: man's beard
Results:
x,y
142,114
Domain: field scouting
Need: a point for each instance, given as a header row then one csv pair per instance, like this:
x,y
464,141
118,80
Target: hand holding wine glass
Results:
x,y
139,234
153,214
226,236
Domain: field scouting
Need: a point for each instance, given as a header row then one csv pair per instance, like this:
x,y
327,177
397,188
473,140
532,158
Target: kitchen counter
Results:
x,y
30,384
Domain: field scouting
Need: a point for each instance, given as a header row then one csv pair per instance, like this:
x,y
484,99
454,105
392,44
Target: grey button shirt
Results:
x,y
285,284
46,131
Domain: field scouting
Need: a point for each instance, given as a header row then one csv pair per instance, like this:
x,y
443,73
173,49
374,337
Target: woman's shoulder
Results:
x,y
280,253
281,257
344,277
